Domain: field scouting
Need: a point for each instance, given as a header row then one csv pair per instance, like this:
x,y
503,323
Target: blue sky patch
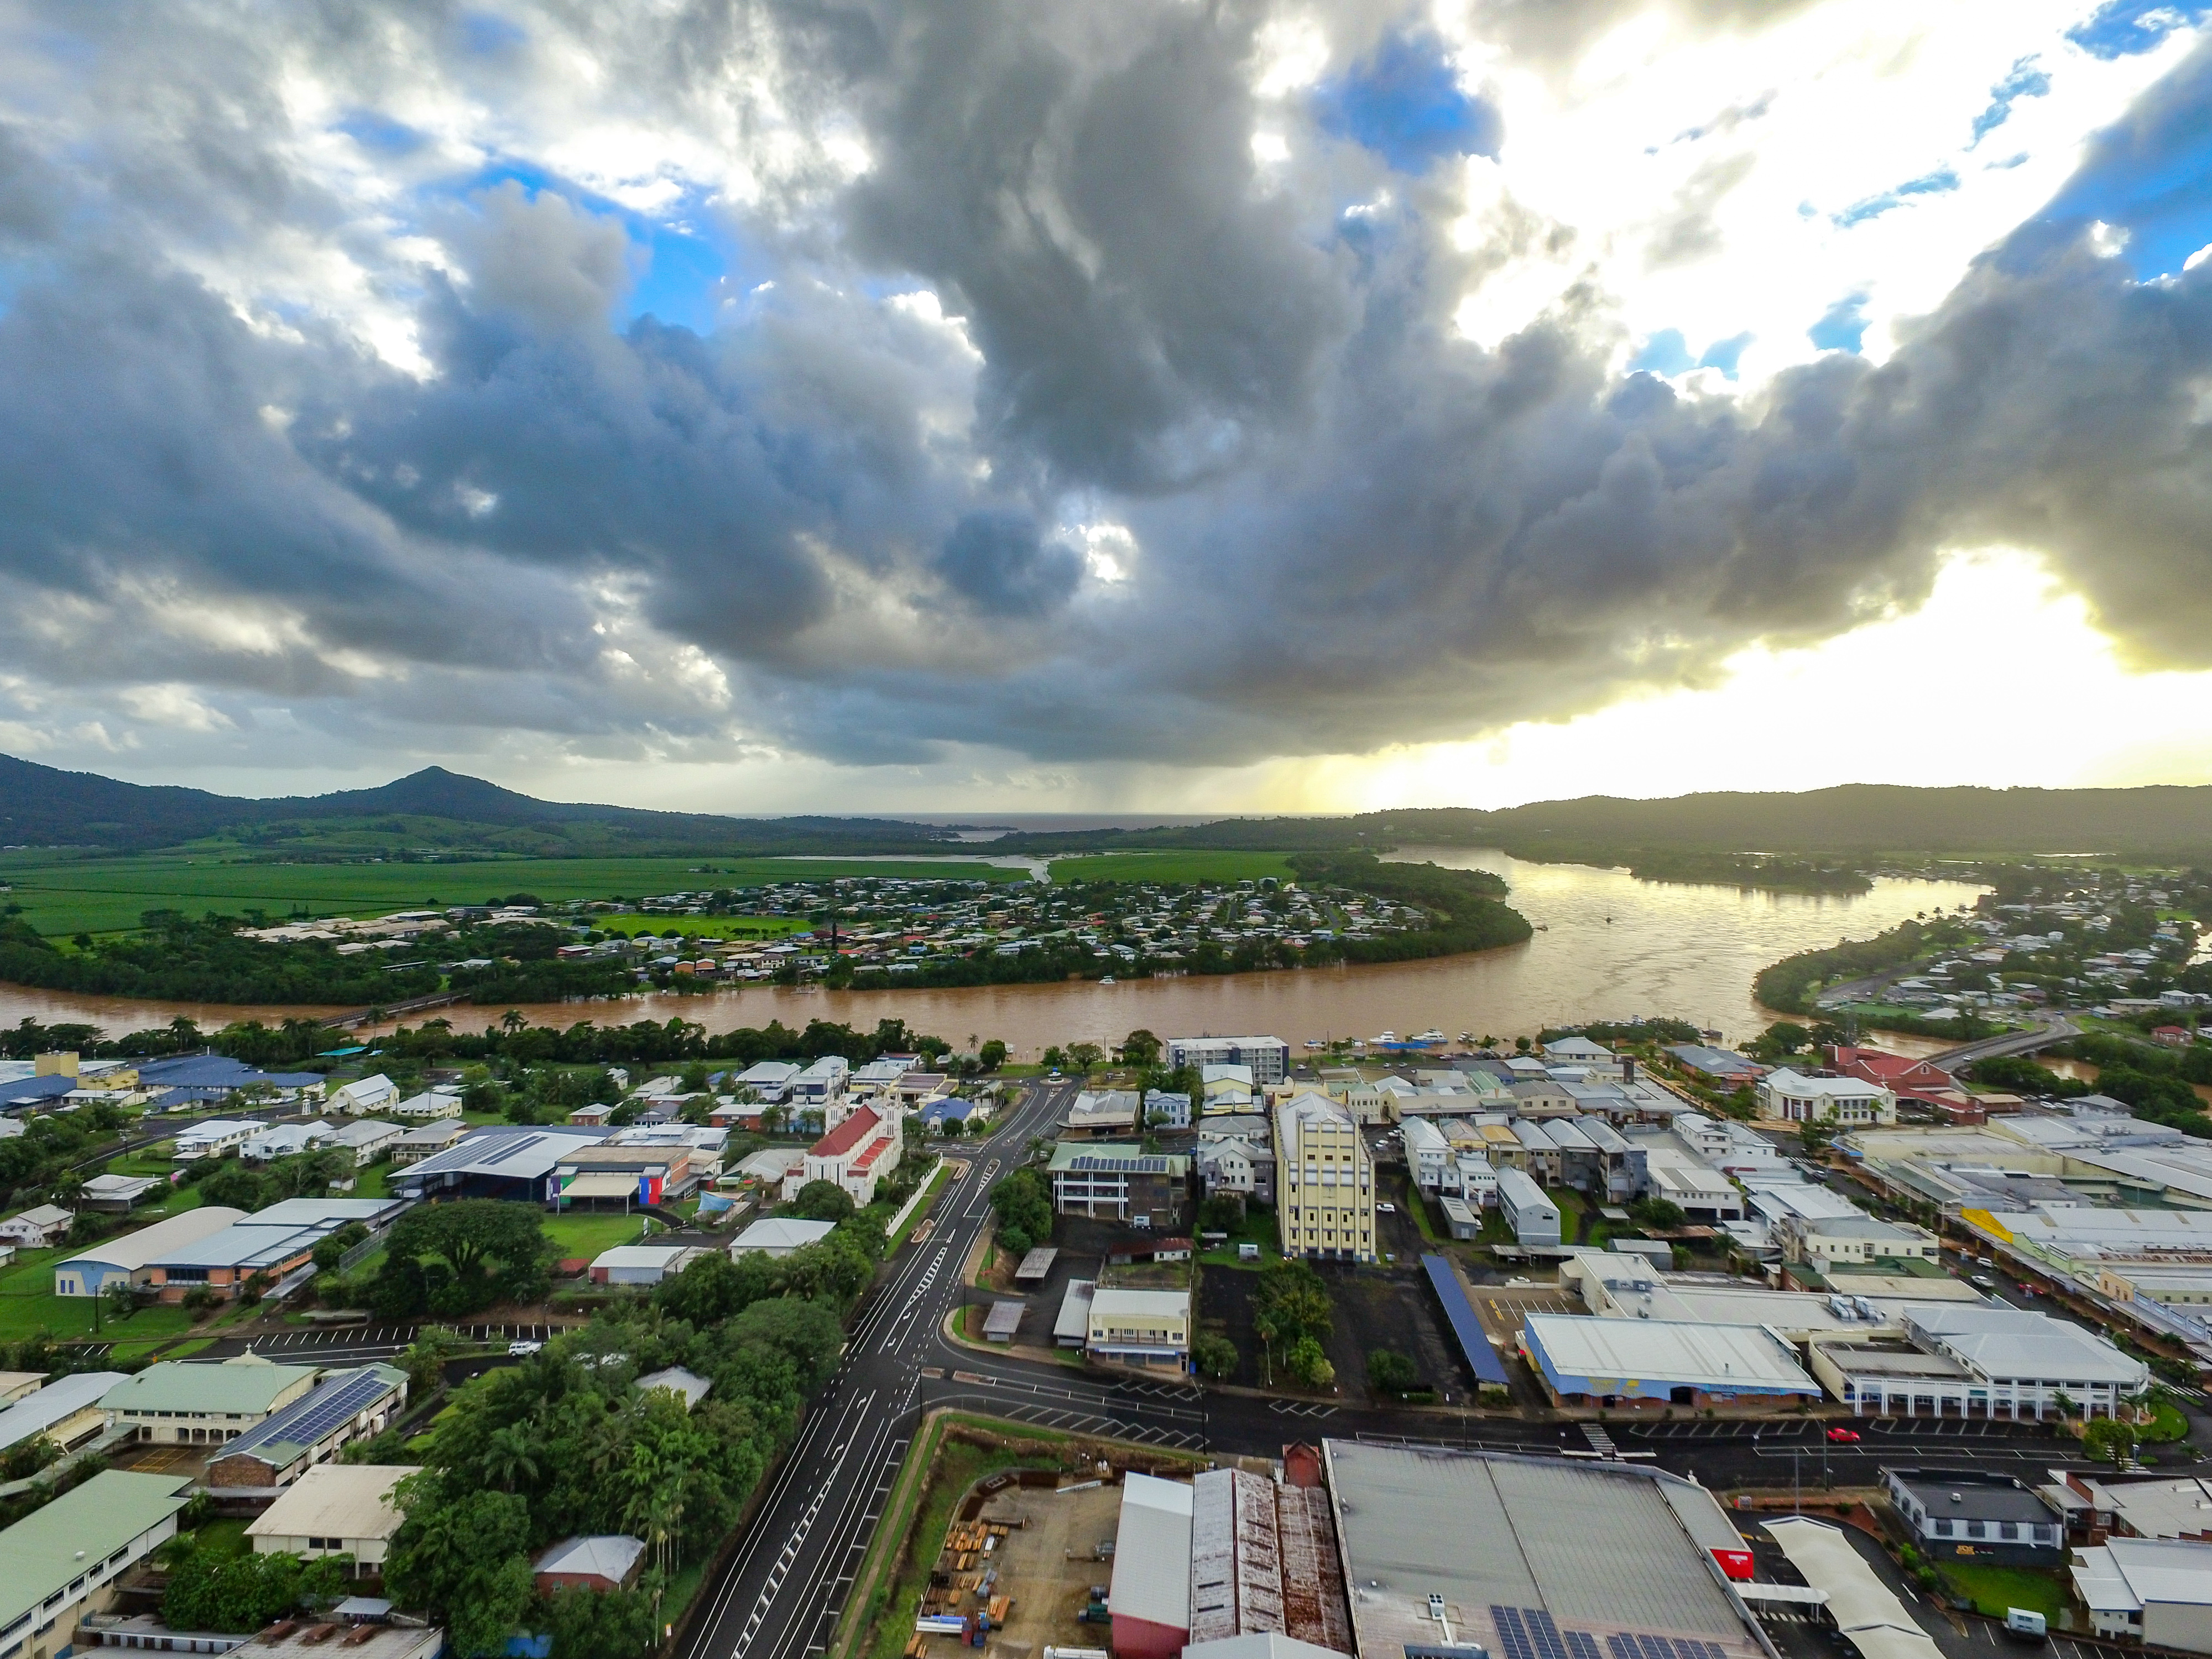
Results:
x,y
486,35
2026,80
1725,354
1403,102
2122,28
1844,328
2150,175
1663,353
373,131
1929,184
682,262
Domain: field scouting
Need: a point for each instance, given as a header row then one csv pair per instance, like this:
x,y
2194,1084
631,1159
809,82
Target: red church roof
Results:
x,y
1874,1066
849,1134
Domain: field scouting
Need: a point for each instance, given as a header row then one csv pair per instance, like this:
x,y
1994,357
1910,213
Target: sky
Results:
x,y
1049,406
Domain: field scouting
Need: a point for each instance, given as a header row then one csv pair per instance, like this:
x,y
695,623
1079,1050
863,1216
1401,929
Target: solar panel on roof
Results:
x,y
322,1410
1581,1645
1481,1358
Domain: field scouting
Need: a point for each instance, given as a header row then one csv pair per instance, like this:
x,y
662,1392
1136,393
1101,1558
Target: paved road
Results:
x,y
781,1593
2054,1027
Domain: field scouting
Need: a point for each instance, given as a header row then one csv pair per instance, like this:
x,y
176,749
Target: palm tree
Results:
x,y
67,1188
512,1021
508,1457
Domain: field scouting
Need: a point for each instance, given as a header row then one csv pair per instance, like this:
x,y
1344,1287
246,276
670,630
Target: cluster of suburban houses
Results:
x,y
268,1440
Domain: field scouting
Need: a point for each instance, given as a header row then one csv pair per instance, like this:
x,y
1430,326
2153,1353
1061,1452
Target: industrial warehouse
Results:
x,y
1383,1551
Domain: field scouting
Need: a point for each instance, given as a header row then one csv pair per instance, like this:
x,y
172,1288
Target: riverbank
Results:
x,y
1606,946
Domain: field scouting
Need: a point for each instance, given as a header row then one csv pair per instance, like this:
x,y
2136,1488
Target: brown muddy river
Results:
x,y
1610,947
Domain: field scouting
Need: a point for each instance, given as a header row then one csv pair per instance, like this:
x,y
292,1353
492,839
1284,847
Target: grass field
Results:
x,y
1200,867
29,1306
587,1234
1996,1589
84,894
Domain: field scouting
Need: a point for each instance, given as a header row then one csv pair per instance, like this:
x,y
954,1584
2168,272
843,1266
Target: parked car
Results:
x,y
523,1349
1983,1281
1844,1436
1386,1209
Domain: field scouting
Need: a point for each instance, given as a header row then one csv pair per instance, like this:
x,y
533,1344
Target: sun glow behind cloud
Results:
x,y
2000,678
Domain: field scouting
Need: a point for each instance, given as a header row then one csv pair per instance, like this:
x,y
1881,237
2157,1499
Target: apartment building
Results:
x,y
1269,1057
1149,1190
1325,1202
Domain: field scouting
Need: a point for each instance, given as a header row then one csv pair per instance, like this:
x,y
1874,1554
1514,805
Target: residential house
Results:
x,y
118,1194
213,1139
427,1107
428,1139
768,1083
607,1562
39,1228
365,1095
820,1087
368,1139
277,1140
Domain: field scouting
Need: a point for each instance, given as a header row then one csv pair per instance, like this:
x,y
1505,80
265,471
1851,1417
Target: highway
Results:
x,y
779,1596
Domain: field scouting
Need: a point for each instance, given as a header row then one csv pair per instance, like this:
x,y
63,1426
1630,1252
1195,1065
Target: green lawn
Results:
x,y
587,1233
63,895
29,1306
2167,1424
1994,1588
1258,1227
1201,866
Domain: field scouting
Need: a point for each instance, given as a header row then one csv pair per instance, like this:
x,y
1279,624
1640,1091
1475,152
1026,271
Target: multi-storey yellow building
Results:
x,y
1325,1182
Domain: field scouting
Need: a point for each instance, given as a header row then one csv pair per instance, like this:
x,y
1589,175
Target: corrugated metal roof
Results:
x,y
42,1553
1636,1355
62,1398
179,1385
132,1251
1601,1546
1152,1552
336,1500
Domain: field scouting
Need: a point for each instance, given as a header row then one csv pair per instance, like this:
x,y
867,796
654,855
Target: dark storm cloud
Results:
x,y
998,562
849,525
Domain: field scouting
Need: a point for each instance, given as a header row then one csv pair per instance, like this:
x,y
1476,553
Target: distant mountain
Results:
x,y
42,807
1851,819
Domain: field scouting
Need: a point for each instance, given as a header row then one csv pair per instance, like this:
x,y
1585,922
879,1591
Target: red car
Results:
x,y
1844,1436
